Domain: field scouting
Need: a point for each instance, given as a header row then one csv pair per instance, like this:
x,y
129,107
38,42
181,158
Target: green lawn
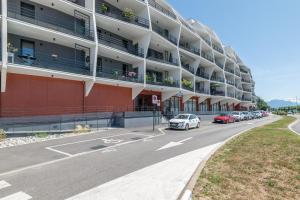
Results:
x,y
263,163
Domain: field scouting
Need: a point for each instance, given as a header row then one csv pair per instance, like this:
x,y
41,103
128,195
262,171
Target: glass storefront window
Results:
x,y
172,106
190,105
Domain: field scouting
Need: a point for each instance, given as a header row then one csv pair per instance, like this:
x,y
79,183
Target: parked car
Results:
x,y
224,118
257,114
238,116
247,115
184,122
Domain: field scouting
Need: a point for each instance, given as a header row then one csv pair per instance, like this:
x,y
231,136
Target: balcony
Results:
x,y
158,57
217,79
246,81
202,91
229,70
207,57
53,62
52,22
118,43
187,87
246,99
121,76
244,71
247,90
237,73
164,33
106,9
206,40
77,2
166,83
187,67
215,47
161,9
230,94
219,64
230,82
217,93
202,74
190,49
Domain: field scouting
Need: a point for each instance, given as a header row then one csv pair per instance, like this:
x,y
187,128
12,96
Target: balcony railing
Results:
x,y
162,9
230,82
162,60
246,81
246,99
202,90
247,90
119,75
202,74
53,62
190,49
217,93
207,57
206,40
217,79
237,73
162,32
244,71
230,94
136,20
188,67
163,83
49,21
229,70
219,64
119,44
215,47
80,3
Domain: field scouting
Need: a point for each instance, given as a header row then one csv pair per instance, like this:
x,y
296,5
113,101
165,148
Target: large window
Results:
x,y
172,106
27,48
27,10
190,105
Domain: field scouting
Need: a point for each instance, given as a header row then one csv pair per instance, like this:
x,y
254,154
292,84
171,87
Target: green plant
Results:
x,y
128,13
41,135
11,48
2,134
149,78
169,81
187,83
103,8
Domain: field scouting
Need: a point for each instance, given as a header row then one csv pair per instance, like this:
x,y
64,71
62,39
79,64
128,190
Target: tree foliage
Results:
x,y
261,104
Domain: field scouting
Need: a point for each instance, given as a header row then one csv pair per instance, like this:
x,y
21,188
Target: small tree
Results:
x,y
103,8
128,13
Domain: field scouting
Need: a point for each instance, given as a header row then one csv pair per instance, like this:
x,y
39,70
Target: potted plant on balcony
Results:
x,y
103,8
149,78
132,76
11,50
169,81
128,13
188,84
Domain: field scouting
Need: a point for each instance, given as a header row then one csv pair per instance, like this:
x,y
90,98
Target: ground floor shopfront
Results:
x,y
27,95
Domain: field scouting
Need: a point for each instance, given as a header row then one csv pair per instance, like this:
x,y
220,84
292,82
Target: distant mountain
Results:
x,y
276,103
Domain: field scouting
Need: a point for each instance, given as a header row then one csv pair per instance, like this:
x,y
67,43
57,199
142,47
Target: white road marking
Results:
x,y
174,144
17,196
109,150
111,141
292,125
60,152
158,181
4,184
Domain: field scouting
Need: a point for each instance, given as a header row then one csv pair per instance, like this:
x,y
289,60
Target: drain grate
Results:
x,y
98,147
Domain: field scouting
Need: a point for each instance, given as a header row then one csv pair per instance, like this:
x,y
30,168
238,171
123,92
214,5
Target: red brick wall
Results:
x,y
33,95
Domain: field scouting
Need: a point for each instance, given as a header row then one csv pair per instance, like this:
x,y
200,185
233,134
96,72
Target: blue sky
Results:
x,y
265,33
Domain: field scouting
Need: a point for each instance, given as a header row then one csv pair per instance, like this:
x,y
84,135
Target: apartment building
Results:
x,y
75,56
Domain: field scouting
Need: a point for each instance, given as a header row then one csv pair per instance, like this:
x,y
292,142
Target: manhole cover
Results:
x,y
98,147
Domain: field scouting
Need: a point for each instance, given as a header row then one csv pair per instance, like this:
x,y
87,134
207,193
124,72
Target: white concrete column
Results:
x,y
4,45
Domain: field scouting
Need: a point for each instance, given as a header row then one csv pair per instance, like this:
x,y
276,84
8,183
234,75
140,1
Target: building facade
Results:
x,y
75,56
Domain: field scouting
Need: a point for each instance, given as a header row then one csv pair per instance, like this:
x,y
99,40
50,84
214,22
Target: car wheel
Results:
x,y
198,125
187,127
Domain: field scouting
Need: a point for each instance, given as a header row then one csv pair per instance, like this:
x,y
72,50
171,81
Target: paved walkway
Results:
x,y
295,127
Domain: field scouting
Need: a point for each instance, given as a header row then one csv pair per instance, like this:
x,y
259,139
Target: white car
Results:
x,y
184,122
239,116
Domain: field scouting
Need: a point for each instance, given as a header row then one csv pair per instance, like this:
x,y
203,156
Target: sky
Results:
x,y
264,33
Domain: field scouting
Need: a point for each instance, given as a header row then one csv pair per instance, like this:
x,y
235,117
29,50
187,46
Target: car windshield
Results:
x,y
223,114
182,117
235,113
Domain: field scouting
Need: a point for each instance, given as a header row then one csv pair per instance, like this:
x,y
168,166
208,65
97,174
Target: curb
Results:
x,y
187,192
290,127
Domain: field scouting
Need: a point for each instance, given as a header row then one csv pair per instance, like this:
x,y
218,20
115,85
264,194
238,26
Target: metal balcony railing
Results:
x,y
187,87
247,90
215,47
164,33
163,83
118,43
246,99
230,94
206,40
219,64
217,79
188,67
190,49
229,70
49,21
246,81
244,71
136,20
202,74
154,4
120,75
217,93
207,57
53,62
162,60
202,90
230,82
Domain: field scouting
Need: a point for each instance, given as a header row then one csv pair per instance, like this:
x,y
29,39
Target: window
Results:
x,y
27,10
27,48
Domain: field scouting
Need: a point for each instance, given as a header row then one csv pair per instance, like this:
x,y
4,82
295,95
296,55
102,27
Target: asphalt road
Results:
x,y
59,169
296,127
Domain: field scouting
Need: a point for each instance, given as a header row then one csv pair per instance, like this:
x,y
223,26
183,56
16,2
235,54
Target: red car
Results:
x,y
224,118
